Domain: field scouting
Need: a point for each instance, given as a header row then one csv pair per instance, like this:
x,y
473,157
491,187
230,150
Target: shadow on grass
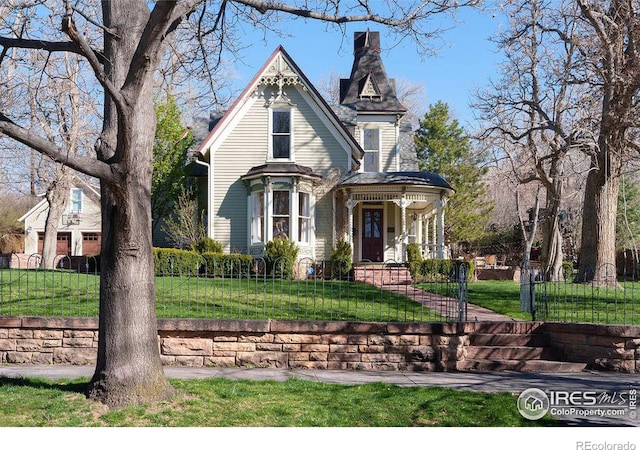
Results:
x,y
78,386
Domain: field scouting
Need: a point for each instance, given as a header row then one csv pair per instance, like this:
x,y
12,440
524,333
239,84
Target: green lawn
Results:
x,y
570,302
62,293
219,402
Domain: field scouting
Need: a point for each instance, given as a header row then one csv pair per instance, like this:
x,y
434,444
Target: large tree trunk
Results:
x,y
597,256
57,197
128,370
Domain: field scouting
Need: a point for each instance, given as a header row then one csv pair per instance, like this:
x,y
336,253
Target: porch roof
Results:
x,y
422,179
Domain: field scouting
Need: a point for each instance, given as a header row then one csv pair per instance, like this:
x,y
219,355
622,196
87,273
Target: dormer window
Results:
x,y
369,88
281,134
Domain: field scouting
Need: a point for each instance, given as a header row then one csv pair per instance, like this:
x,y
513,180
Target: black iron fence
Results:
x,y
311,290
243,288
606,295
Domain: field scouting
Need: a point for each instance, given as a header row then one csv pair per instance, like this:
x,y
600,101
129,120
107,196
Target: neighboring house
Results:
x,y
79,229
283,163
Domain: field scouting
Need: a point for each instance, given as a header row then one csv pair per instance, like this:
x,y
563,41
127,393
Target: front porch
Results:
x,y
387,211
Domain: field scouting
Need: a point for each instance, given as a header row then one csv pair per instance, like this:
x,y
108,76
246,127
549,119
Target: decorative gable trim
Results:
x,y
280,74
279,70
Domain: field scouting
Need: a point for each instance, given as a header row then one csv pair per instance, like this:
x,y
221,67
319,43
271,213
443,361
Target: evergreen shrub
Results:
x,y
340,263
280,256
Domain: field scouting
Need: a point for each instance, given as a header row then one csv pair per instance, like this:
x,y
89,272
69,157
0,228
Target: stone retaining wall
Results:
x,y
601,347
247,343
312,344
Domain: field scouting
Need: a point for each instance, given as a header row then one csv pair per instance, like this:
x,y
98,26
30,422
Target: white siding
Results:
x,y
246,146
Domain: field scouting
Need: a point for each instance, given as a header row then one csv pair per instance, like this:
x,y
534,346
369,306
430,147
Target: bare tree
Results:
x,y
61,120
536,108
611,68
135,38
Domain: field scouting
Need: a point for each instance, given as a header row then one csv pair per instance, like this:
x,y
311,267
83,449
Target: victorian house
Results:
x,y
284,163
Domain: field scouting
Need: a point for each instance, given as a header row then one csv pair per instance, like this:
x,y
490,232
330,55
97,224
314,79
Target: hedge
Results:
x,y
170,261
439,269
233,265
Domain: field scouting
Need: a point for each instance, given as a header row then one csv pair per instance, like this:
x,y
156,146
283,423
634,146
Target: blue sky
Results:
x,y
466,59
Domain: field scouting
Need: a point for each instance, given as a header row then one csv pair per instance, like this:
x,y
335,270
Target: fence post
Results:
x,y
462,292
527,292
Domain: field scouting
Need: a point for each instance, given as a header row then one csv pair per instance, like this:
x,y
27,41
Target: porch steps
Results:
x,y
515,348
382,274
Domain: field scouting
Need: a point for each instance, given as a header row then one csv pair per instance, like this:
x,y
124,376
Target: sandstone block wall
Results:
x,y
247,343
602,347
314,344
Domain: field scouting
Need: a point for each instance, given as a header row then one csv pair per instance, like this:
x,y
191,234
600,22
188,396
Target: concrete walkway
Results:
x,y
492,382
445,305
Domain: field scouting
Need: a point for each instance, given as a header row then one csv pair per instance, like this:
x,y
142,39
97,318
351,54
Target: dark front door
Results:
x,y
372,235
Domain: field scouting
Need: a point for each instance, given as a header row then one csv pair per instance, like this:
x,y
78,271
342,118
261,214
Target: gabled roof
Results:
x,y
295,76
92,193
367,74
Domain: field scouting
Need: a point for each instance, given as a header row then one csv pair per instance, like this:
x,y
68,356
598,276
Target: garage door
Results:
x,y
63,246
91,243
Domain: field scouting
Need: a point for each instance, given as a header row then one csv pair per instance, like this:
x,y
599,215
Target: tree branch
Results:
x,y
419,11
69,28
37,44
164,19
89,166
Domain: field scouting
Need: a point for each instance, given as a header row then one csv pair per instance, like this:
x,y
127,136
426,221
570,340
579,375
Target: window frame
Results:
x,y
273,134
376,152
304,220
75,201
281,232
257,220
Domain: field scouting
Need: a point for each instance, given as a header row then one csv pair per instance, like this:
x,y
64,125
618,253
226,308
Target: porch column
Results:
x,y
440,228
350,205
403,207
418,226
426,250
403,203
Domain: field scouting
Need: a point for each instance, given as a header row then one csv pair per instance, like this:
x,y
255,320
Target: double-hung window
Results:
x,y
371,147
76,200
304,217
281,134
257,217
281,215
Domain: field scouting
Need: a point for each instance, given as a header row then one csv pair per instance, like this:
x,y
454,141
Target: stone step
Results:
x,y
382,275
515,327
538,365
510,353
508,340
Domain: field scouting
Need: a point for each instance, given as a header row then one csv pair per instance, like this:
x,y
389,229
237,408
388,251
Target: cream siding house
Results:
x,y
283,163
79,228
